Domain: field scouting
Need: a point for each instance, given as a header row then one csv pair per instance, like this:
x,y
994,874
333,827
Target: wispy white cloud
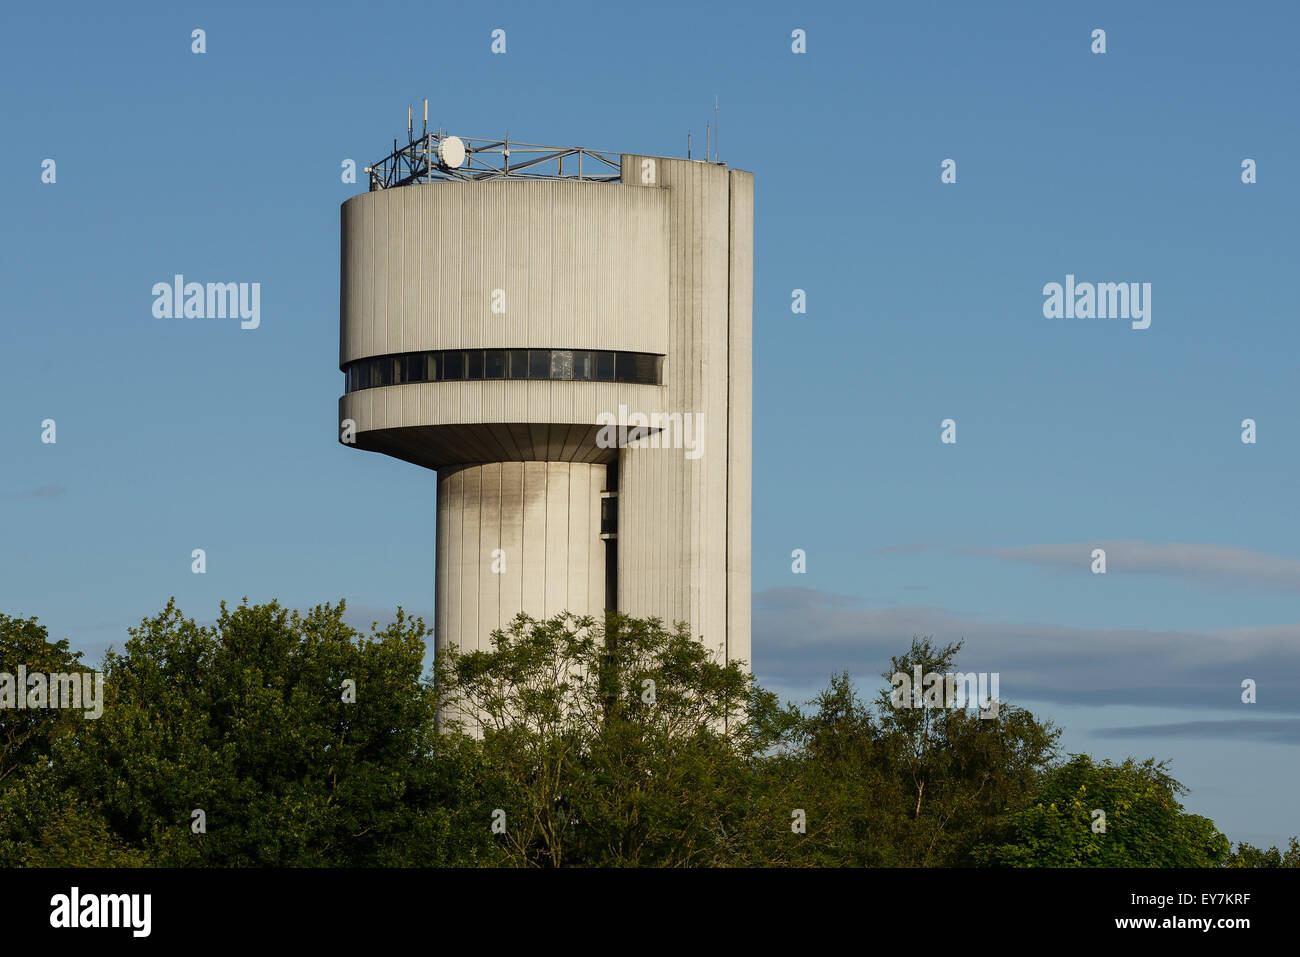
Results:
x,y
45,492
1268,730
910,548
800,640
1223,564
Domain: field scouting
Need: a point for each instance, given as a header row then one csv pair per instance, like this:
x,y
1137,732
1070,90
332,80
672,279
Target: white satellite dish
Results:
x,y
451,152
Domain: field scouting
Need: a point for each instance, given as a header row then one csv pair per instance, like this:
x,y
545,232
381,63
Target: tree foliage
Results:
x,y
1247,855
612,742
245,722
1143,823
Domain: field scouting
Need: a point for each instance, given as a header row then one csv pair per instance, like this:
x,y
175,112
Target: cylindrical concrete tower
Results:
x,y
571,353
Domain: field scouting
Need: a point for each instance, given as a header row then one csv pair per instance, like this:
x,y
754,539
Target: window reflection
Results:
x,y
561,364
582,364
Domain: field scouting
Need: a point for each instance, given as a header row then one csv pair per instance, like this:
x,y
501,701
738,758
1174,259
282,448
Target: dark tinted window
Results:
x,y
582,365
519,363
636,367
453,365
477,364
608,515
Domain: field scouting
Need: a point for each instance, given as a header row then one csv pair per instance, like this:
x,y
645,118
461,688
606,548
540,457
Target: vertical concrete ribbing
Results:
x,y
673,556
545,516
740,417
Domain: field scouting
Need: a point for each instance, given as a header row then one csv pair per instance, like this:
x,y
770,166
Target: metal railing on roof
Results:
x,y
430,158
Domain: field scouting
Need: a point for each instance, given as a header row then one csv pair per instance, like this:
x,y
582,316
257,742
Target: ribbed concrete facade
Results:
x,y
517,536
695,567
580,265
659,265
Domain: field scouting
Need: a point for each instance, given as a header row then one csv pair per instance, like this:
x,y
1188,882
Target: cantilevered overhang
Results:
x,y
434,424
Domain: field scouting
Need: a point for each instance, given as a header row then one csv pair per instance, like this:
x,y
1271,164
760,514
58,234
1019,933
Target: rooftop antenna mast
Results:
x,y
715,126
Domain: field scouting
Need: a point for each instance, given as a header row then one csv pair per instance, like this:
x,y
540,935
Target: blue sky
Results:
x,y
924,303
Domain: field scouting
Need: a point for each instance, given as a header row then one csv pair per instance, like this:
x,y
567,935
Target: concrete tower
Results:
x,y
504,309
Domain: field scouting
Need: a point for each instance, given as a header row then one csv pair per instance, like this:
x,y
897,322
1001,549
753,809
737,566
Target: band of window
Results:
x,y
460,365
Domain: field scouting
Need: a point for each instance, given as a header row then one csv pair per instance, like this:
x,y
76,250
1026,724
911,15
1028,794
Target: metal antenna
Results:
x,y
410,130
715,126
424,139
688,145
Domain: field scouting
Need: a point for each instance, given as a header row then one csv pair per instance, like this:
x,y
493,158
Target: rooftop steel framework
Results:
x,y
419,162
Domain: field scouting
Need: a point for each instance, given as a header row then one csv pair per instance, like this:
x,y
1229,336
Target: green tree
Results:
x,y
25,733
608,743
1144,824
1247,855
247,722
959,769
828,767
604,742
899,787
42,824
